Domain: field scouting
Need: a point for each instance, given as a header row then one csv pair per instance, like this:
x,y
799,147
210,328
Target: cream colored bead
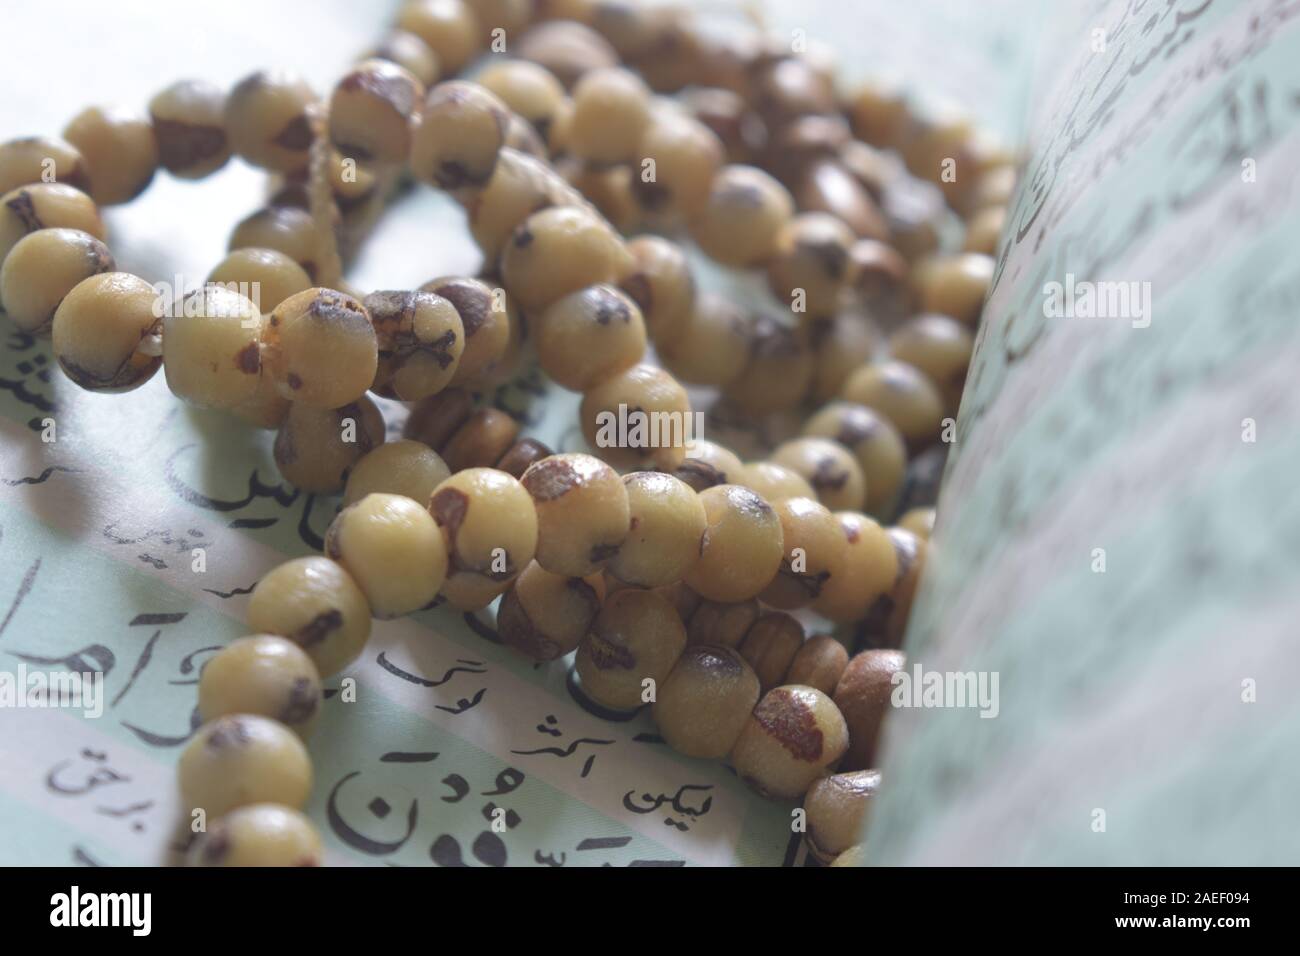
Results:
x,y
704,703
120,151
106,332
582,513
320,348
459,137
590,335
837,811
829,467
742,545
774,482
211,351
707,464
637,636
315,603
610,110
558,251
242,759
188,120
666,528
870,568
42,268
401,467
394,551
315,447
740,224
490,525
262,674
266,276
420,337
448,27
543,616
372,110
902,394
794,736
667,424
267,120
45,206
263,834
485,319
37,159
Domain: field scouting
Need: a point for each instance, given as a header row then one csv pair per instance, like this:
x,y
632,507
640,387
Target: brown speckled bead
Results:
x,y
878,277
902,394
487,327
448,27
41,159
608,189
912,551
532,92
941,348
792,87
520,186
262,674
667,521
661,284
661,444
268,277
569,50
558,251
268,123
774,482
42,268
862,695
459,137
713,622
28,209
794,148
490,525
420,338
837,811
711,345
742,546
611,108
919,521
410,53
371,112
828,187
955,285
394,551
543,615
686,154
519,456
315,448
879,114
283,229
105,333
262,834
835,475
320,348
435,419
481,441
870,569
814,553
637,636
840,346
314,603
874,442
243,759
770,645
740,224
211,351
401,467
778,369
794,736
589,336
813,257
707,464
120,151
819,663
705,701
582,513
189,123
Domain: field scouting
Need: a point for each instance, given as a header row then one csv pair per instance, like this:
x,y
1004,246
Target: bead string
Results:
x,y
658,575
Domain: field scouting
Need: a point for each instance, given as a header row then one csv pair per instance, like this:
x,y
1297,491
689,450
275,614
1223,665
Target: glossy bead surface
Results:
x,y
106,333
266,276
666,524
870,568
42,268
420,338
814,553
27,209
262,674
873,440
818,663
242,759
261,834
742,546
315,603
863,696
401,467
832,471
590,335
582,513
393,550
558,251
837,809
793,737
654,439
490,525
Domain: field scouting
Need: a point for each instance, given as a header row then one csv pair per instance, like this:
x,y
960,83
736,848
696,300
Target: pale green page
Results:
x,y
1148,711
98,528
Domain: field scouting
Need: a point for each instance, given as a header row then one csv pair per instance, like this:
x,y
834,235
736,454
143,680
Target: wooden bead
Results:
x,y
903,395
740,223
712,345
705,701
490,524
795,736
707,464
283,229
875,443
211,348
837,809
530,91
771,645
262,674
266,276
42,159
393,550
106,333
774,482
661,444
661,284
589,336
315,448
29,209
448,27
120,152
420,339
742,545
814,554
314,603
714,622
582,513
666,525
778,369
940,348
543,616
840,346
818,663
829,467
42,268
262,834
481,441
459,136
268,121
685,154
188,121
567,49
401,467
637,636
483,317
520,455
320,348
241,760
611,107
410,53
435,419
955,286
869,573
371,112
811,265
862,696
558,251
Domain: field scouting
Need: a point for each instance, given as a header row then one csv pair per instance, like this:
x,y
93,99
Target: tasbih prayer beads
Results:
x,y
680,573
